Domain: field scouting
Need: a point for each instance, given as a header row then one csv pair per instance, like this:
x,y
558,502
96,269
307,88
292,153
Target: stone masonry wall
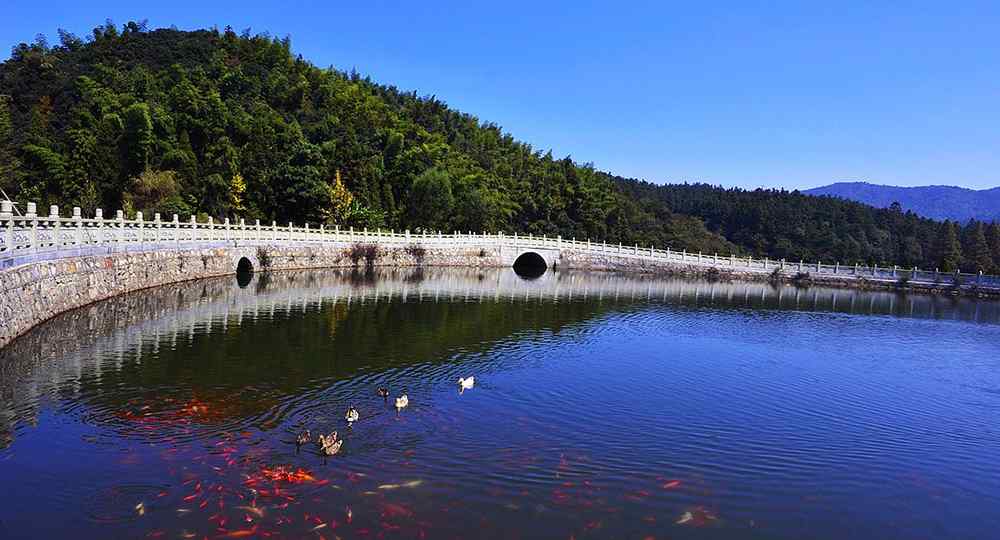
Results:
x,y
33,293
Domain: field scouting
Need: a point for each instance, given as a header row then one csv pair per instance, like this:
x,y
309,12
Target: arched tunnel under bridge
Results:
x,y
530,265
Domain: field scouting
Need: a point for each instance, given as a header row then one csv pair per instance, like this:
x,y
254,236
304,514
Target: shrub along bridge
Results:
x,y
32,238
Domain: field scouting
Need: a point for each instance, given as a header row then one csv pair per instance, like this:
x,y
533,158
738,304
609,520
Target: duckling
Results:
x,y
325,441
333,448
466,383
402,401
383,392
303,438
352,415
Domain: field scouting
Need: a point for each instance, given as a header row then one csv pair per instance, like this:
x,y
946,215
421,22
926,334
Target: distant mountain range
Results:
x,y
936,202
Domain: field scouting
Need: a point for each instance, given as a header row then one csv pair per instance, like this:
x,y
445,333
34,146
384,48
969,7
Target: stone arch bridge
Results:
x,y
53,263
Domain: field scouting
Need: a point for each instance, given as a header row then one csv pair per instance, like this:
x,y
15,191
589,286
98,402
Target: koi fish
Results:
x,y
255,510
672,484
241,533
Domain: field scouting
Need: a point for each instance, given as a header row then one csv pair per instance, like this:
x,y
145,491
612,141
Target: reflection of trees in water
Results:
x,y
294,331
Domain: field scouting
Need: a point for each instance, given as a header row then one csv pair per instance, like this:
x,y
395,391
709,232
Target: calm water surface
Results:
x,y
605,407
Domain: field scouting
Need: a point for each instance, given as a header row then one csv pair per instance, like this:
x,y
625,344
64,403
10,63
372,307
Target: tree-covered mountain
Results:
x,y
936,202
217,123
211,122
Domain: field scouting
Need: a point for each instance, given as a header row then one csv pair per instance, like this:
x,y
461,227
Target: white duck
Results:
x,y
327,442
467,383
402,401
352,416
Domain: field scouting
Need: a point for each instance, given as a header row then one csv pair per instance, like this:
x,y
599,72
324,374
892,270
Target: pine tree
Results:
x,y
948,249
993,239
10,166
978,252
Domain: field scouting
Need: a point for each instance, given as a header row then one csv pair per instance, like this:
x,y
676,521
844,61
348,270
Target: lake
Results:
x,y
605,406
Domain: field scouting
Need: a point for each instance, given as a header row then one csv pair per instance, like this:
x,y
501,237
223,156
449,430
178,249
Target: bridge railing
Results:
x,y
34,237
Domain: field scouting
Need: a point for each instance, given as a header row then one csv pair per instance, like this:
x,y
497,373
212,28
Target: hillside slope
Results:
x,y
209,122
935,202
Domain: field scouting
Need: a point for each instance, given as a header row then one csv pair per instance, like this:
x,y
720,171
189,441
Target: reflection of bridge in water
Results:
x,y
81,344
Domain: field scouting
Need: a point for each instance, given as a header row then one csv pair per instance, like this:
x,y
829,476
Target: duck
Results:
x,y
467,382
303,438
325,441
402,401
383,392
352,415
332,448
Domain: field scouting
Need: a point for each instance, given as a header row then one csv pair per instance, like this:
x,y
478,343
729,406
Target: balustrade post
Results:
x,y
765,263
668,253
120,228
515,240
913,273
32,213
715,258
619,247
77,226
874,269
856,268
243,229
138,220
684,255
176,224
894,268
7,213
156,227
99,217
54,218
749,260
211,228
227,232
817,267
836,268
256,225
274,231
290,231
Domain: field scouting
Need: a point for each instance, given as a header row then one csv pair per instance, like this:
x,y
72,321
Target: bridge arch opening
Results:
x,y
244,272
530,265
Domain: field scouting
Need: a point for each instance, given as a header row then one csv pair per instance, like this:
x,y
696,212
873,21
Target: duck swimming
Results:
x,y
325,441
466,383
402,401
352,415
333,448
383,392
303,438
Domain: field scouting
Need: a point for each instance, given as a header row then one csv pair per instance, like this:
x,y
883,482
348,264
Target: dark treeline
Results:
x,y
217,123
792,226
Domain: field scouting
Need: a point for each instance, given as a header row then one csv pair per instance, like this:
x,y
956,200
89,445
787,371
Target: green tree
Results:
x,y
978,252
10,165
431,200
948,249
137,139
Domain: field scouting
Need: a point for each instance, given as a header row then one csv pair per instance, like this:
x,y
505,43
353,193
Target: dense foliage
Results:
x,y
793,226
214,123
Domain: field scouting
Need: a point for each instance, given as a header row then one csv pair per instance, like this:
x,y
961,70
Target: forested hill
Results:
x,y
937,202
211,122
214,123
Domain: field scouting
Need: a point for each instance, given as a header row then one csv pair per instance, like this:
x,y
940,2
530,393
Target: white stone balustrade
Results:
x,y
30,238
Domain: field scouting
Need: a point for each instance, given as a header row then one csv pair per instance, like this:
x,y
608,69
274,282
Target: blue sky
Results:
x,y
793,95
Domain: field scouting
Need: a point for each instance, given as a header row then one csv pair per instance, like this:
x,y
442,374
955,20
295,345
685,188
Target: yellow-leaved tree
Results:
x,y
237,190
341,200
